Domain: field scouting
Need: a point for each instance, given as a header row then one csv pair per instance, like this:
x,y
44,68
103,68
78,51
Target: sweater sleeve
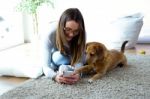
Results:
x,y
47,46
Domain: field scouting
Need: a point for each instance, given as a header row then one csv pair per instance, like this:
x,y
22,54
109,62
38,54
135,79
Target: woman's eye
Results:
x,y
67,29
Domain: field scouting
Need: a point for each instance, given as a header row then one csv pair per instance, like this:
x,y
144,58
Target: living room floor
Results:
x,y
9,82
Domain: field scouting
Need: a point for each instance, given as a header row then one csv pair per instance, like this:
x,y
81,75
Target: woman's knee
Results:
x,y
59,58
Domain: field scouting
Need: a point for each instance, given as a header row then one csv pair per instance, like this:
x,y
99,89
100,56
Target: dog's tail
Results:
x,y
123,46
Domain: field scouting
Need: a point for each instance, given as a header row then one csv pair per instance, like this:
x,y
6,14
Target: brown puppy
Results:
x,y
101,60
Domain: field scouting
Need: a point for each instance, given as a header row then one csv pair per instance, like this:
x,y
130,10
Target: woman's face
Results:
x,y
71,29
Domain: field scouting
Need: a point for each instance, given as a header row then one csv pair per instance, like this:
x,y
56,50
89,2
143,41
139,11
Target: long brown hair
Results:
x,y
77,45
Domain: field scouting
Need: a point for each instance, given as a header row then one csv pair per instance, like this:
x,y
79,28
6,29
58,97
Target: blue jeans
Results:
x,y
59,59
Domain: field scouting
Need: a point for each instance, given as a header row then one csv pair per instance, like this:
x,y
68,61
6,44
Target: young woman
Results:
x,y
65,46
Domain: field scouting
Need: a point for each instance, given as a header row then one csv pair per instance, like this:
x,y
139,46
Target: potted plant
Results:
x,y
30,7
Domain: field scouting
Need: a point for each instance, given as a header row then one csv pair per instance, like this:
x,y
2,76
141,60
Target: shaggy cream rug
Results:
x,y
130,83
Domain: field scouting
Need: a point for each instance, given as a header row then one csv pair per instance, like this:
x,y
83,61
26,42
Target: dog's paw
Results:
x,y
90,81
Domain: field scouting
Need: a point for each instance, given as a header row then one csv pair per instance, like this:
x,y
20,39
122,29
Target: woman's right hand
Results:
x,y
72,79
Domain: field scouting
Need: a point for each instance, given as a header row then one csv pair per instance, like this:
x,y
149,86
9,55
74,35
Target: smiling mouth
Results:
x,y
69,38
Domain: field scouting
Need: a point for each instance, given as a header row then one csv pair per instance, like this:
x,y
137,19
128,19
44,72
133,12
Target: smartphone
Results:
x,y
67,73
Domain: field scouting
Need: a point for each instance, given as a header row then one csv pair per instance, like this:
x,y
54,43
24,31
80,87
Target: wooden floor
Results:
x,y
8,82
140,48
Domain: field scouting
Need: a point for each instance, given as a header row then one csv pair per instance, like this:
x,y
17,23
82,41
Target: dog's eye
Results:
x,y
91,54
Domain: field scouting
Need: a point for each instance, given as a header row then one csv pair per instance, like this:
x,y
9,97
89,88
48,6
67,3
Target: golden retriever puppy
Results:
x,y
100,59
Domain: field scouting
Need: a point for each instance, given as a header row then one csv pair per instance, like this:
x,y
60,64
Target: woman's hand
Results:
x,y
72,79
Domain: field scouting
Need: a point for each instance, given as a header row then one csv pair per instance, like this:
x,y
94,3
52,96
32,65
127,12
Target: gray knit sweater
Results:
x,y
48,42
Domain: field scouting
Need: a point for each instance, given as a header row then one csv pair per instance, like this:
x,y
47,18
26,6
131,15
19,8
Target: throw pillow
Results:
x,y
125,28
20,61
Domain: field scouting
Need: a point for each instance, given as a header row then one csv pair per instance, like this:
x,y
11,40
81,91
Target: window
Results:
x,y
11,31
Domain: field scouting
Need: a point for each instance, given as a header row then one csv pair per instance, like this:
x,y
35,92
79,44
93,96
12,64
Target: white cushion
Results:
x,y
112,33
124,28
21,61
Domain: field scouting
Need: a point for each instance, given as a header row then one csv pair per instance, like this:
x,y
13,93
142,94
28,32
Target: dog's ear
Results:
x,y
101,51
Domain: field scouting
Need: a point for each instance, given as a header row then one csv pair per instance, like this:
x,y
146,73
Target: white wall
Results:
x,y
97,13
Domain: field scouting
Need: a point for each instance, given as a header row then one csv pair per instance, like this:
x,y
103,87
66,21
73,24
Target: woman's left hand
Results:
x,y
74,78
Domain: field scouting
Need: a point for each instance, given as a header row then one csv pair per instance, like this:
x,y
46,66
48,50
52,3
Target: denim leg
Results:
x,y
60,59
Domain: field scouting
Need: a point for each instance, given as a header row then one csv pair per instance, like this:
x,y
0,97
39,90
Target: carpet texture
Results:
x,y
130,83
